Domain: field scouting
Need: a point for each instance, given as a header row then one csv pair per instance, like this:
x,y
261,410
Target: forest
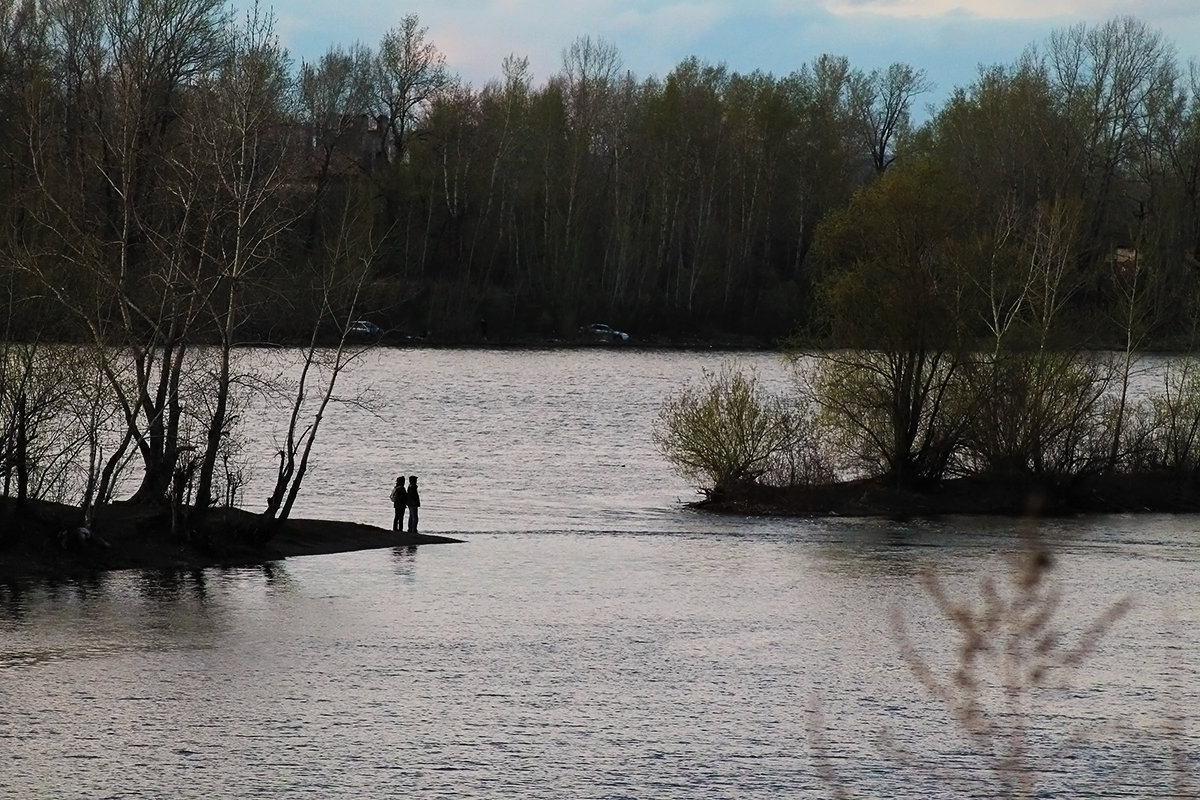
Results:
x,y
174,188
145,138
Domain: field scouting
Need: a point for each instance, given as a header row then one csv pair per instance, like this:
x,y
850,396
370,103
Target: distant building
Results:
x,y
1125,260
351,143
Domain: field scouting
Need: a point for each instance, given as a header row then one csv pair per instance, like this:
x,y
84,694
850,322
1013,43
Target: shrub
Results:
x,y
892,414
1039,413
1175,419
726,429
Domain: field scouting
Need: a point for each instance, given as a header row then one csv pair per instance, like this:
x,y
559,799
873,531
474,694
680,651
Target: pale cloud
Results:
x,y
947,38
992,9
650,37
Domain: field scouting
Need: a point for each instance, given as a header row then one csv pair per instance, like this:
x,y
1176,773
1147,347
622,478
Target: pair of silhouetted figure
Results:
x,y
405,498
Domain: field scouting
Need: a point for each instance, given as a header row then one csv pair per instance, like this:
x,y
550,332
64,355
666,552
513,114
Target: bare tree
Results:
x,y
336,282
409,73
126,67
239,130
334,101
1109,78
882,102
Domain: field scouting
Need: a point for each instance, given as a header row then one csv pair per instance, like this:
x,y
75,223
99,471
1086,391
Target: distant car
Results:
x,y
601,331
364,328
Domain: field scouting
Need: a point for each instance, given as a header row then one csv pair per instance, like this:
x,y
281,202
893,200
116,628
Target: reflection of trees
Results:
x,y
12,600
278,579
165,585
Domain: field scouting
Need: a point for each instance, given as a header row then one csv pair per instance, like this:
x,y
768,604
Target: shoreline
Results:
x,y
44,540
1018,497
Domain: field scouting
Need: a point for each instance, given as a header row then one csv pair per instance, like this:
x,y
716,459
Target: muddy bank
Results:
x,y
1018,497
44,540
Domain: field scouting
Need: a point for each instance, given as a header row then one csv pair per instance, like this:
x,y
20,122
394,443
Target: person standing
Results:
x,y
399,502
414,502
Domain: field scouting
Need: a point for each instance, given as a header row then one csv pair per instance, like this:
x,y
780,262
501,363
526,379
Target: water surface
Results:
x,y
592,639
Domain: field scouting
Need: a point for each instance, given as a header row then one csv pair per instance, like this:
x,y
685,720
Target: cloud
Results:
x,y
994,9
948,38
649,36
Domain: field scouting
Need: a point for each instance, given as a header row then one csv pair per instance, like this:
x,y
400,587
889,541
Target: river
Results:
x,y
593,638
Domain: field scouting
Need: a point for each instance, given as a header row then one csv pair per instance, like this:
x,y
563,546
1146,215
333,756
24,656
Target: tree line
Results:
x,y
672,206
137,132
173,187
152,194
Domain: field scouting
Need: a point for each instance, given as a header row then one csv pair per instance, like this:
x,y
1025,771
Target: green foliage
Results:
x,y
912,419
892,292
891,414
891,277
727,429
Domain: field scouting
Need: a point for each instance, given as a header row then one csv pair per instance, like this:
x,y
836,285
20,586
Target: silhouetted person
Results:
x,y
399,502
414,502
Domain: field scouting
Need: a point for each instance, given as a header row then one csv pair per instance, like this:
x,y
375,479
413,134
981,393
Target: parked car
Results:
x,y
364,328
604,332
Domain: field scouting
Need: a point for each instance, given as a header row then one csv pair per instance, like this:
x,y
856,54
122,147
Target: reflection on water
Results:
x,y
576,665
404,562
169,585
592,638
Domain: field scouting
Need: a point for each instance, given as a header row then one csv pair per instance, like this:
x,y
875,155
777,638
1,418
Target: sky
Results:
x,y
948,39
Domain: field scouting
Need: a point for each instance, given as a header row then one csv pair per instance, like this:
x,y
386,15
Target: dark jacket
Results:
x,y
414,499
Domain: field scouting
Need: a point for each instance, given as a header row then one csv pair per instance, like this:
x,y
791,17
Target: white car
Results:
x,y
362,327
602,331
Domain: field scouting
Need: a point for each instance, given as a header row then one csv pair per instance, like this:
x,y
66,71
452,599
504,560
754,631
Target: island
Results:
x,y
974,495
